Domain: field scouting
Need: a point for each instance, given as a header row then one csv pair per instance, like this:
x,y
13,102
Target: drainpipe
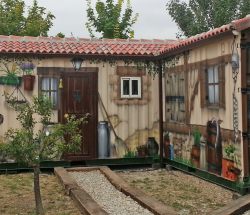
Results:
x,y
160,111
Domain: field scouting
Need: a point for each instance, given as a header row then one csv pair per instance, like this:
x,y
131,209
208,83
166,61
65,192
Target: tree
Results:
x,y
198,16
37,22
11,17
60,34
109,20
14,22
30,147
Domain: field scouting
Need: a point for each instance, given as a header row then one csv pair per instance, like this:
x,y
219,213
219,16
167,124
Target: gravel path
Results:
x,y
106,195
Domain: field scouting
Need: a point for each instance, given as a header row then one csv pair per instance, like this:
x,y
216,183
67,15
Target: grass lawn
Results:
x,y
17,196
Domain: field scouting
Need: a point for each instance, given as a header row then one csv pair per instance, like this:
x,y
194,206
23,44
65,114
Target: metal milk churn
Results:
x,y
103,140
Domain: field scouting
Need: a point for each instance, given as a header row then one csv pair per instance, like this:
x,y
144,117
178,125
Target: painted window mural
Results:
x,y
49,88
213,85
212,88
175,99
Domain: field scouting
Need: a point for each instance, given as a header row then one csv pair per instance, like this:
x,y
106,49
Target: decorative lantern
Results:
x,y
77,63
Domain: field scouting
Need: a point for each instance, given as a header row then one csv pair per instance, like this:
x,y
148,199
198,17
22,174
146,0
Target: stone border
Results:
x,y
89,206
238,206
83,200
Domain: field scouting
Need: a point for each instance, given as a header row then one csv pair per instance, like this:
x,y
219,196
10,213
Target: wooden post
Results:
x,y
244,112
160,111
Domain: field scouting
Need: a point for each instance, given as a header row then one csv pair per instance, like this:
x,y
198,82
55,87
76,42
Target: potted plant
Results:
x,y
229,169
11,77
28,77
142,150
195,151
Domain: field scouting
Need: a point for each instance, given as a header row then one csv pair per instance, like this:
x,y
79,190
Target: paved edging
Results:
x,y
81,198
145,201
238,206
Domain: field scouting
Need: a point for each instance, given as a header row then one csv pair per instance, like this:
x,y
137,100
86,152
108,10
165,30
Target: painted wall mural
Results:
x,y
205,150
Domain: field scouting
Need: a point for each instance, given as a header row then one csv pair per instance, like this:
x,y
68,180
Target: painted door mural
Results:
x,y
214,147
79,96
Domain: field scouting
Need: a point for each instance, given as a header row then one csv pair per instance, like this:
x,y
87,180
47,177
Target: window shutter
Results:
x,y
203,88
222,102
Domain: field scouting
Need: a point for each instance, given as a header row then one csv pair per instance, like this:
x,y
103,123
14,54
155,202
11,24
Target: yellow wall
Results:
x,y
133,122
200,116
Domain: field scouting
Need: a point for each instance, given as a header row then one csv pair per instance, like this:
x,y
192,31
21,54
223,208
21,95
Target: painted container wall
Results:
x,y
191,117
134,119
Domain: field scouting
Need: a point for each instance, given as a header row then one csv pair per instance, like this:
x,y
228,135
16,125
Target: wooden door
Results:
x,y
79,96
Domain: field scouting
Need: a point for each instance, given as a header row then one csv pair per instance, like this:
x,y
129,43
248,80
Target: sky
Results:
x,y
153,21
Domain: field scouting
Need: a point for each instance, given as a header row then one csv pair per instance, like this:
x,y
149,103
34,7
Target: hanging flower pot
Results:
x,y
28,78
28,82
9,80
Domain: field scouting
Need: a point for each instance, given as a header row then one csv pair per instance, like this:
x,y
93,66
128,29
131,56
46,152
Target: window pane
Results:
x,y
45,84
210,72
216,94
54,83
53,98
45,94
125,90
49,89
211,94
216,77
135,87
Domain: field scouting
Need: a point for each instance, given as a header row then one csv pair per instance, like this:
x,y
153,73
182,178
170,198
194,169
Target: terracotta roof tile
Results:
x,y
83,46
238,25
52,45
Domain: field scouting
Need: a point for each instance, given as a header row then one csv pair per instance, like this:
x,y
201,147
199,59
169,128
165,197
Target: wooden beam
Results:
x,y
160,110
244,112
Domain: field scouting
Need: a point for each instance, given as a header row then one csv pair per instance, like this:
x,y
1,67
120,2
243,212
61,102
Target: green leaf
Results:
x,y
14,21
197,16
109,20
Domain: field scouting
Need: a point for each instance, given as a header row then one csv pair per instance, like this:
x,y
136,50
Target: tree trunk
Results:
x,y
38,199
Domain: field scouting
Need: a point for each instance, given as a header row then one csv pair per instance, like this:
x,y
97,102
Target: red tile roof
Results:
x,y
118,47
53,45
238,25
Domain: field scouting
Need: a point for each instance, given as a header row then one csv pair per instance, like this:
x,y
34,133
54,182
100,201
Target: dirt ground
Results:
x,y
185,193
17,197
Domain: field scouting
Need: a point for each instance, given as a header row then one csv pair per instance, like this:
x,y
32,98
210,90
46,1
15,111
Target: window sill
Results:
x,y
130,98
213,107
176,122
131,101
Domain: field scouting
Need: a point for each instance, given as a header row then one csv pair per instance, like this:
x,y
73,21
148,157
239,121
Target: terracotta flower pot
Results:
x,y
166,147
28,82
229,171
195,155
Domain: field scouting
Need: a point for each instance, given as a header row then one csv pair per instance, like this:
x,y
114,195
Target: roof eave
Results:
x,y
169,53
85,56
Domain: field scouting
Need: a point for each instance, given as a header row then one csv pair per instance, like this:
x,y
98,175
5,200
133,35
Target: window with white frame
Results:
x,y
213,85
49,88
130,87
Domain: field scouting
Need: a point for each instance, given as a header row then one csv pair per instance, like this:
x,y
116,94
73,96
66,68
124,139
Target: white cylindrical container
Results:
x,y
103,140
203,160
